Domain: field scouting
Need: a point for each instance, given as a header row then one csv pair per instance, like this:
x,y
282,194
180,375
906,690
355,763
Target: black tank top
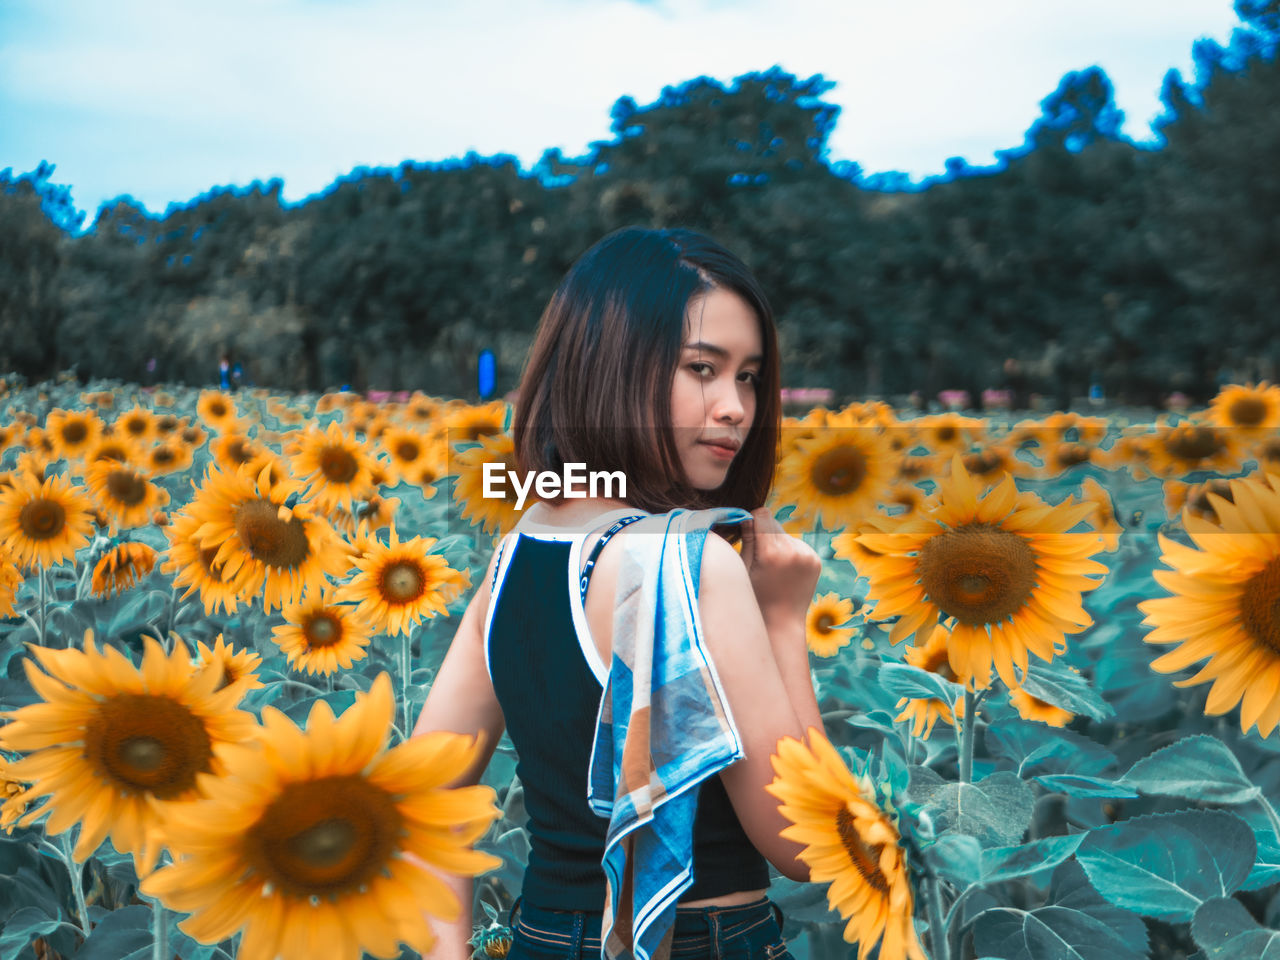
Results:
x,y
548,678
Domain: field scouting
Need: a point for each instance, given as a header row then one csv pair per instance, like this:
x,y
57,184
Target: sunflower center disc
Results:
x,y
239,451
217,409
137,427
1071,454
74,432
322,630
41,519
402,582
324,837
1247,411
839,471
1260,606
275,542
142,753
824,623
147,743
407,451
162,456
981,463
865,858
338,465
167,424
126,487
1197,443
977,573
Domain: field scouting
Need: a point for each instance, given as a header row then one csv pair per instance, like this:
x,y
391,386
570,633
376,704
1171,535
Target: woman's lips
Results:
x,y
720,450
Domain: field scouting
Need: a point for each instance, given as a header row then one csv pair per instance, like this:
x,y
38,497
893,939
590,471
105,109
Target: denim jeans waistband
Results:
x,y
694,926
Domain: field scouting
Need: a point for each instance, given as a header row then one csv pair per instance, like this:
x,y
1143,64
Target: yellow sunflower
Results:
x,y
1226,603
849,842
1033,708
218,411
1191,446
1194,497
237,666
74,432
398,584
468,424
325,842
121,567
821,626
422,409
336,466
192,434
195,566
410,451
165,425
988,465
320,635
44,523
924,712
137,425
949,433
1249,410
169,456
11,435
11,579
836,477
496,515
376,513
112,744
13,797
1002,565
1104,515
1059,458
123,493
110,447
264,546
231,450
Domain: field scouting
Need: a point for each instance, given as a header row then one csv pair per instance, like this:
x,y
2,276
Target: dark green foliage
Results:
x,y
1082,256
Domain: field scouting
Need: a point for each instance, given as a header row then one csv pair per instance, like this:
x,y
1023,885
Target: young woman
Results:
x,y
657,357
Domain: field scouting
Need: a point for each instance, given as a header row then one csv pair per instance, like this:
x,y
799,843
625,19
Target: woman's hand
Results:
x,y
784,570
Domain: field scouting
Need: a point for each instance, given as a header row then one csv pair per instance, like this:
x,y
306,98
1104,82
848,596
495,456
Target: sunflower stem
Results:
x,y
970,722
1270,811
77,881
937,928
159,932
41,605
406,672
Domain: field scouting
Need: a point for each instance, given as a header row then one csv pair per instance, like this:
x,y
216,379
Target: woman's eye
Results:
x,y
701,369
751,377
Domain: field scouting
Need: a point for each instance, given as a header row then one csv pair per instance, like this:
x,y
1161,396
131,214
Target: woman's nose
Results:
x,y
728,406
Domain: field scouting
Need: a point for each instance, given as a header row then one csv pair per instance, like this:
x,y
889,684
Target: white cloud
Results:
x,y
169,99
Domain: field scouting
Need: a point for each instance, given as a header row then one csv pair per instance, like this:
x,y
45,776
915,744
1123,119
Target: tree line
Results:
x,y
1080,258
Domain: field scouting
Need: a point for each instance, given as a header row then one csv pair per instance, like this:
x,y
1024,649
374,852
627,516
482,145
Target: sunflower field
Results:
x,y
1047,653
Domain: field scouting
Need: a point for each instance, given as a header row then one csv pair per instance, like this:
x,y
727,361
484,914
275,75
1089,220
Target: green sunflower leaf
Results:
x,y
1196,768
1049,933
1054,683
1078,785
1225,930
1166,865
904,680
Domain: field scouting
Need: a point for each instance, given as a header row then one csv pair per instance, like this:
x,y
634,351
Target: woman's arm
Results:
x,y
764,668
461,699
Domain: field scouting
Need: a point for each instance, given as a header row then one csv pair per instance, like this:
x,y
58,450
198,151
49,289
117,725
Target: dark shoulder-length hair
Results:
x,y
596,388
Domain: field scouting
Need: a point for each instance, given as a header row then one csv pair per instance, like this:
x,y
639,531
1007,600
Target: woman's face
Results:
x,y
713,396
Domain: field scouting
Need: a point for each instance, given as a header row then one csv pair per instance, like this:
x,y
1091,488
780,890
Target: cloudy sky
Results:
x,y
163,99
